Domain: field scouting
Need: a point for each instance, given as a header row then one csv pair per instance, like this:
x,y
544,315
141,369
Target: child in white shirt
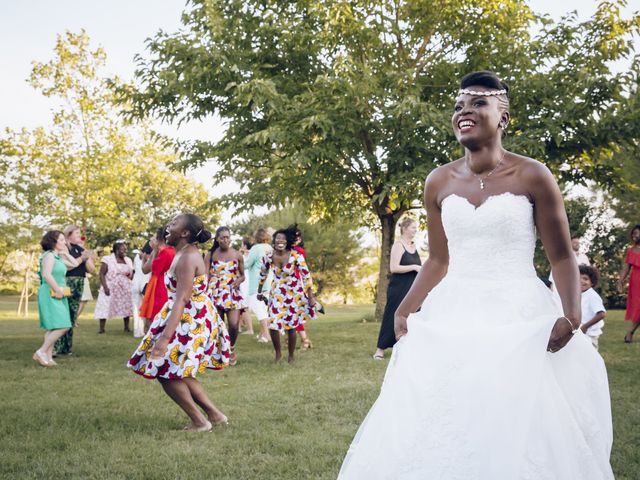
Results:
x,y
593,311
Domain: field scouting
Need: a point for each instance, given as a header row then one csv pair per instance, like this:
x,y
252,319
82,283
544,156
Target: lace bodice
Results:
x,y
495,240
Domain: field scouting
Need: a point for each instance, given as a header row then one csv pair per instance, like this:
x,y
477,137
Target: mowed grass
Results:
x,y
91,418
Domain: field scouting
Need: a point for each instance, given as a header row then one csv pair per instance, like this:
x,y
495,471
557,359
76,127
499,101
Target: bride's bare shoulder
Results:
x,y
442,174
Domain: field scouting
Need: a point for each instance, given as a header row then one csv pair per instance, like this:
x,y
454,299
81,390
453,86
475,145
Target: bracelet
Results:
x,y
573,330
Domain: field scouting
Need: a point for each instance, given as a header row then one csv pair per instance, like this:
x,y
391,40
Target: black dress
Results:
x,y
399,285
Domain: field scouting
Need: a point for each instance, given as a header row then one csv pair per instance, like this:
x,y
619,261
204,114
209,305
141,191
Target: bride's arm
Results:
x,y
435,268
553,228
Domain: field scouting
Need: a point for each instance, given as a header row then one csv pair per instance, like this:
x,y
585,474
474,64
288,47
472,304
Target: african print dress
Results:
x,y
222,294
288,302
200,341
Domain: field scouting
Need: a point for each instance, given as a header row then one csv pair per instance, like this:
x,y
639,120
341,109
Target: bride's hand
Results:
x,y
561,333
400,325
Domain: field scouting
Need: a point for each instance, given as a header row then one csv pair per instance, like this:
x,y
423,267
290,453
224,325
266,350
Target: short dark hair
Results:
x,y
484,78
591,272
50,239
147,248
117,244
637,227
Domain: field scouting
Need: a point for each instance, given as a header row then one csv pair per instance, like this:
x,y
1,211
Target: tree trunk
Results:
x,y
388,224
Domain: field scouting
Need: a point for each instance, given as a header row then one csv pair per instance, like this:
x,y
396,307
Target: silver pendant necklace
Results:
x,y
482,179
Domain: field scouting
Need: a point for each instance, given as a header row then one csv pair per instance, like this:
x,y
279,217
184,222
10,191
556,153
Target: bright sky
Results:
x,y
28,30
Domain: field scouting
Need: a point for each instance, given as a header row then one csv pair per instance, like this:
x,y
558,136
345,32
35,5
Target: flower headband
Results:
x,y
489,93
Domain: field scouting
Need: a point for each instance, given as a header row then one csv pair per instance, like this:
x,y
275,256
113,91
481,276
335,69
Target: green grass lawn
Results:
x,y
91,418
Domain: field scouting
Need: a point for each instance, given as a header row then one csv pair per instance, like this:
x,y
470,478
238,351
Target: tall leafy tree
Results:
x,y
344,105
89,167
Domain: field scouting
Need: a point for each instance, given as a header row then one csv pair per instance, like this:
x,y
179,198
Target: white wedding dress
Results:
x,y
471,392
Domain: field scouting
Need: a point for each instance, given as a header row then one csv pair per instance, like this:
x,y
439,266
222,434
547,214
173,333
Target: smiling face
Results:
x,y
585,282
635,236
477,118
409,232
280,242
61,242
75,237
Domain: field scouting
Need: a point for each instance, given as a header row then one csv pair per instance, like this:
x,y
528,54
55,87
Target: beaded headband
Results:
x,y
489,93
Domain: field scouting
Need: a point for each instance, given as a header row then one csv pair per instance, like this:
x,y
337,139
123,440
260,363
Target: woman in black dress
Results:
x,y
404,265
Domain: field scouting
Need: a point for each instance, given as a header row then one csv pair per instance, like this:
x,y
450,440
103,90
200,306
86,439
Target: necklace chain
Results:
x,y
482,179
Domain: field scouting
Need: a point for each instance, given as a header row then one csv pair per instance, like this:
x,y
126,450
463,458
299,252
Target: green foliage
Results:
x,y
89,167
344,106
607,239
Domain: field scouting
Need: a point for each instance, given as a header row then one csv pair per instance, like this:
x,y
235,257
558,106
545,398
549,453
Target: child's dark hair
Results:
x,y
216,244
591,272
197,232
50,239
637,227
290,233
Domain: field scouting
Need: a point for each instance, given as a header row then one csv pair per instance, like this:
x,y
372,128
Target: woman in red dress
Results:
x,y
155,293
632,265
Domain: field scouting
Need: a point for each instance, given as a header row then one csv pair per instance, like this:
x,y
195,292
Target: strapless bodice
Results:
x,y
495,240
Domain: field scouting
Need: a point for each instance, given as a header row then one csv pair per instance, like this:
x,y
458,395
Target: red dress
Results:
x,y
155,295
633,297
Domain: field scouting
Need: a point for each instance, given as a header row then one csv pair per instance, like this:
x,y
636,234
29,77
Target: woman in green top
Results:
x,y
53,307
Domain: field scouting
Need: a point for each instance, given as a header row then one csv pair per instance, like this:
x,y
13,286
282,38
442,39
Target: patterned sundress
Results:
x,y
119,303
200,341
288,302
223,296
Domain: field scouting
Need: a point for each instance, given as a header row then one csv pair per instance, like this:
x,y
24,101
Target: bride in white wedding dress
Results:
x,y
489,380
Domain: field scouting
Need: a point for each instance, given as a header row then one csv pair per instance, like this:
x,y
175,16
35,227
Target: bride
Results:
x,y
489,381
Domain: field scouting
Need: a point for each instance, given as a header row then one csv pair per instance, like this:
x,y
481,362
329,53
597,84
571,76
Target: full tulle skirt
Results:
x,y
472,393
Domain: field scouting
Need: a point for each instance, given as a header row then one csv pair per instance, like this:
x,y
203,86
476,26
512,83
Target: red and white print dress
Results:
x,y
200,341
222,294
288,302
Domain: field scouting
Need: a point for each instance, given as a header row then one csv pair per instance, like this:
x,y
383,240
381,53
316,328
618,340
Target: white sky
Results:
x,y
28,30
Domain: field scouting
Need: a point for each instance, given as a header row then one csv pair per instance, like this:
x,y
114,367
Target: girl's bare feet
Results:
x,y
278,358
204,427
219,419
291,360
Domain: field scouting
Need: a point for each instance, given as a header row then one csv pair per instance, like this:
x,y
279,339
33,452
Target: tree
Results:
x,y
344,106
89,167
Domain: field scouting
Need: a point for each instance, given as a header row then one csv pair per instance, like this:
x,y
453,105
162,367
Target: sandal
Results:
x,y
628,338
306,344
378,356
38,357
